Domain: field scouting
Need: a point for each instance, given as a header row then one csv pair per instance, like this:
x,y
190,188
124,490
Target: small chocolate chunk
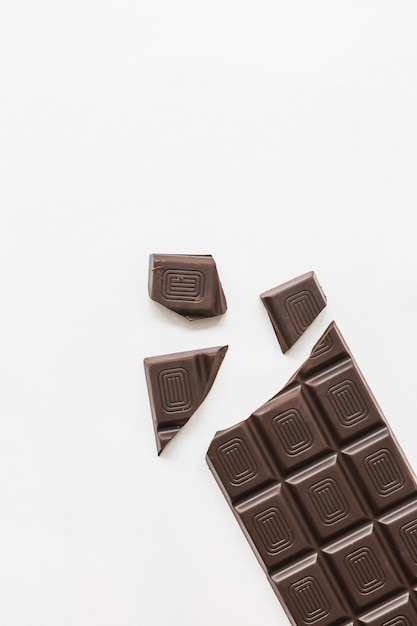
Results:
x,y
325,496
177,385
187,284
293,306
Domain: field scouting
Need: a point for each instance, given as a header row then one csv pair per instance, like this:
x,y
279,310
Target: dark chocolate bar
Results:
x,y
325,496
177,385
187,284
293,306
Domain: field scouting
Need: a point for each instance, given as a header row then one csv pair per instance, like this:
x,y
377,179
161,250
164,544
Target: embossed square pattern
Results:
x,y
187,284
293,306
325,496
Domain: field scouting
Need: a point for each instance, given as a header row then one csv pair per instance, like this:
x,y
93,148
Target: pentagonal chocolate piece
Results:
x,y
293,306
177,385
187,284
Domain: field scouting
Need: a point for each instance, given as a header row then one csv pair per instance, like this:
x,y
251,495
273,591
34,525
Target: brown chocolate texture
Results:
x,y
293,306
186,284
177,385
325,496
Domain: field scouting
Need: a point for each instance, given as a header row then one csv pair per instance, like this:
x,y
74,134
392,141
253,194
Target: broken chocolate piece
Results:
x,y
187,284
325,496
293,306
177,385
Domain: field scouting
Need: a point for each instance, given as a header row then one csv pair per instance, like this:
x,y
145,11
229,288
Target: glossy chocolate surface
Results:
x,y
186,284
293,306
325,496
177,385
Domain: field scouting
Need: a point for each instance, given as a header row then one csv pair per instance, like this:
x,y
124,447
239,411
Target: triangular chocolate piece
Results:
x,y
177,385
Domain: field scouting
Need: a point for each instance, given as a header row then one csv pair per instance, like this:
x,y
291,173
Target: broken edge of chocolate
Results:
x,y
293,306
325,496
186,284
177,385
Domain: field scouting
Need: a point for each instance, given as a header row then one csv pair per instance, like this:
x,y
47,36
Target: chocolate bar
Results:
x,y
325,496
187,284
177,385
293,306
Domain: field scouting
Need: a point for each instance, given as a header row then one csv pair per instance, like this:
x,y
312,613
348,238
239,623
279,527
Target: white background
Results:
x,y
280,137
